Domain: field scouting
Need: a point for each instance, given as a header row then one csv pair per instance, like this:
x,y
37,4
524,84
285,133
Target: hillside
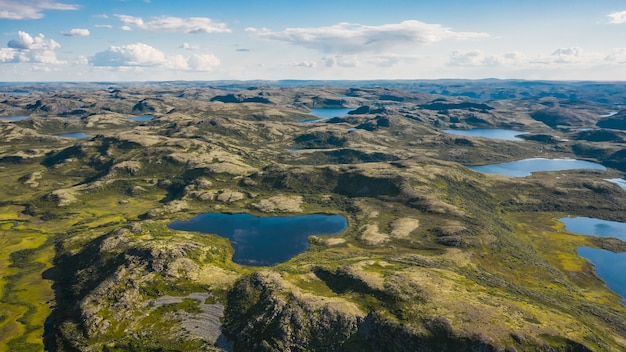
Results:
x,y
436,257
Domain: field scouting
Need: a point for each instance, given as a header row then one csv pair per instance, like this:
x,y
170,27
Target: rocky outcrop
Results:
x,y
263,315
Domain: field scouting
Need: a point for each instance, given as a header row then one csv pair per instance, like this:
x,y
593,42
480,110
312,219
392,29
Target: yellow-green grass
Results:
x,y
558,247
25,297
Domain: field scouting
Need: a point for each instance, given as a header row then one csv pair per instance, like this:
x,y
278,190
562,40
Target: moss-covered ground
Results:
x,y
432,246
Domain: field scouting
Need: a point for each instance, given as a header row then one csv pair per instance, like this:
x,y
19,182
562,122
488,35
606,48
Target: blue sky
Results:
x,y
138,40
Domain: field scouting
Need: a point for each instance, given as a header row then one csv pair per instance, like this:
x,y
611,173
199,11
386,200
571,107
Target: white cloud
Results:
x,y
341,61
617,17
76,32
173,24
188,46
26,42
139,54
347,38
30,49
143,55
206,62
466,58
12,55
617,55
567,55
30,9
562,56
384,61
304,64
103,26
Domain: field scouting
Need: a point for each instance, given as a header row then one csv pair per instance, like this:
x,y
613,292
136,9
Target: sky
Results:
x,y
164,40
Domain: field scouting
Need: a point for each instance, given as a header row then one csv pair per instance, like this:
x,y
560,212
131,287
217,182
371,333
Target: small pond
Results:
x,y
619,181
609,266
13,118
526,167
142,118
325,114
261,241
79,135
493,133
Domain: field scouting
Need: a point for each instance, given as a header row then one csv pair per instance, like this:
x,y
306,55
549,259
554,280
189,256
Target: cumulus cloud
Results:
x,y
304,64
348,38
143,55
617,55
30,9
384,61
617,17
139,54
341,61
25,41
103,26
567,55
206,62
173,24
76,32
188,46
26,48
466,58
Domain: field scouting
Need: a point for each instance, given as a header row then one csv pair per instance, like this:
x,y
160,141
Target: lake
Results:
x,y
493,133
14,118
326,114
595,227
262,241
141,118
79,135
609,266
526,167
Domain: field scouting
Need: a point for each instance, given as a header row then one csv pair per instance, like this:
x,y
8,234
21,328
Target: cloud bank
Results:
x,y
173,24
348,38
30,9
144,55
571,56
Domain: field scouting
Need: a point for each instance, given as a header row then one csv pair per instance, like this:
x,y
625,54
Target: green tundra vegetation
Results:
x,y
436,257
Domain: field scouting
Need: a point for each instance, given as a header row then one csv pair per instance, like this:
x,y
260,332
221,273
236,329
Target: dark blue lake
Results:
x,y
526,167
325,114
14,118
141,118
493,133
261,241
609,266
79,135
